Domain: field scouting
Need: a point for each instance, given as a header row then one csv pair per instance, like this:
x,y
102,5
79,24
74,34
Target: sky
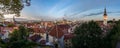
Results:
x,y
71,9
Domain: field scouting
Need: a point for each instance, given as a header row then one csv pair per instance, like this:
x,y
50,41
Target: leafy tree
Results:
x,y
20,34
18,39
12,6
10,25
113,37
88,35
30,30
1,24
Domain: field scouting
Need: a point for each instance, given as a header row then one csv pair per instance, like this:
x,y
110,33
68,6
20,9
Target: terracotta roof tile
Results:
x,y
39,30
59,30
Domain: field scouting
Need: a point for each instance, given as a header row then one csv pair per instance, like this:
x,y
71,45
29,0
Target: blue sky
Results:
x,y
72,9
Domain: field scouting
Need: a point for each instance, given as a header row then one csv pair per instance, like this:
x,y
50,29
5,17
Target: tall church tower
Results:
x,y
105,17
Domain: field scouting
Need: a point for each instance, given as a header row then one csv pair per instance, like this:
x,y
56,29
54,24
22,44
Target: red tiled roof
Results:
x,y
59,30
7,28
39,30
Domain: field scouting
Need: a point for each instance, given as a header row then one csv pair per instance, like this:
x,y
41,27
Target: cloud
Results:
x,y
93,14
99,13
72,8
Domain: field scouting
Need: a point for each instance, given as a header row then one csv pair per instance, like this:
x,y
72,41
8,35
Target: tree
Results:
x,y
10,25
12,6
18,39
87,35
20,34
113,37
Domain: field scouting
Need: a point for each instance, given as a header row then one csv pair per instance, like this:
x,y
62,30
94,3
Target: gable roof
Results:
x,y
59,30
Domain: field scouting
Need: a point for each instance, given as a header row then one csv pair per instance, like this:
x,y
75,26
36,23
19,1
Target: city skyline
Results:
x,y
71,9
59,24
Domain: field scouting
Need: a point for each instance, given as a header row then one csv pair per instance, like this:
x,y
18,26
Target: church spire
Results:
x,y
105,17
105,13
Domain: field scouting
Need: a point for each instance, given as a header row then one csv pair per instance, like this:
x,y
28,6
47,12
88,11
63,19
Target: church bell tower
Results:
x,y
105,17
